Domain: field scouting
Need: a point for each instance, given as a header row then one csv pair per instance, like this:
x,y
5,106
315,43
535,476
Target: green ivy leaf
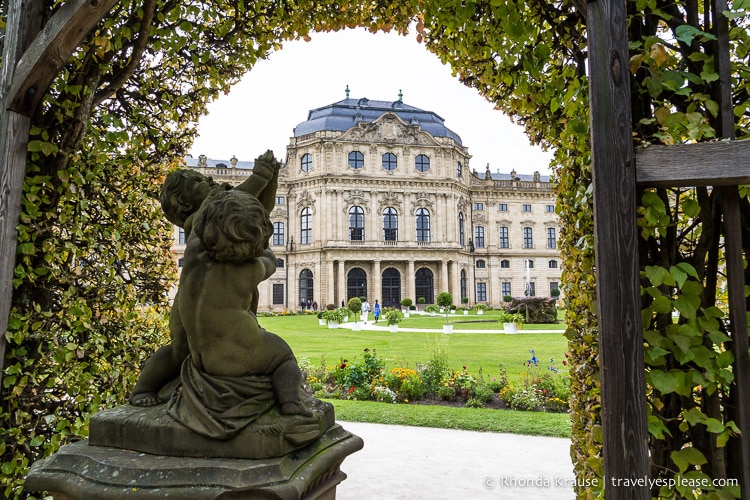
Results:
x,y
686,457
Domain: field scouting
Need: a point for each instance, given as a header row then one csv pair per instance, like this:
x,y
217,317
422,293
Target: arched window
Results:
x,y
463,283
423,224
422,163
390,225
424,285
356,160
505,264
356,224
305,162
279,262
481,264
389,161
305,224
553,264
459,169
305,287
356,283
391,288
461,229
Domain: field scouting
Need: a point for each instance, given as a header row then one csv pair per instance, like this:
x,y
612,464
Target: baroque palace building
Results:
x,y
377,199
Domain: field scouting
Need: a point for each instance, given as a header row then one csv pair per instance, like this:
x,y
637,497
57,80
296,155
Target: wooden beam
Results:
x,y
51,49
23,23
739,447
724,163
621,362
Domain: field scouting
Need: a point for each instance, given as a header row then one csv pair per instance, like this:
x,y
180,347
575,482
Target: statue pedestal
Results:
x,y
82,471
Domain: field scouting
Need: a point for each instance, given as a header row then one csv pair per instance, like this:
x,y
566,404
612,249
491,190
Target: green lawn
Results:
x,y
470,419
407,349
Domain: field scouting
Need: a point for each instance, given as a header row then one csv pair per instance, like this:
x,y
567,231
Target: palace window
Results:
x,y
479,237
461,230
528,240
389,161
551,238
505,264
481,292
305,224
306,162
422,163
356,160
526,208
356,224
278,233
505,288
278,293
390,224
504,241
423,224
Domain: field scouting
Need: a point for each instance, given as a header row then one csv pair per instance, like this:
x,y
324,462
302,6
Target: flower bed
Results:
x,y
366,378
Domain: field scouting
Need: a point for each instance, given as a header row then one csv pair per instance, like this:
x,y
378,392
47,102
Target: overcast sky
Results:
x,y
262,110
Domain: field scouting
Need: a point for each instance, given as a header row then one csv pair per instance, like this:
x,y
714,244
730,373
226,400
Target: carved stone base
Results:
x,y
82,471
152,430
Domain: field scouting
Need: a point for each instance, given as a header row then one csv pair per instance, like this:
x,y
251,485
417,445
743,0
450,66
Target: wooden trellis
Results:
x,y
617,171
34,54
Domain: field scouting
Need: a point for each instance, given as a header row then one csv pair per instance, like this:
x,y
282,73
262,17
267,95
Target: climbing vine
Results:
x,y
93,255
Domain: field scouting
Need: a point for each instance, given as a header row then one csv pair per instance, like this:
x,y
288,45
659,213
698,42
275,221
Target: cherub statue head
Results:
x,y
234,226
183,193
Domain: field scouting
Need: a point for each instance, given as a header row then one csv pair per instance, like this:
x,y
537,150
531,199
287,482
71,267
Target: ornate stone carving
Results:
x,y
305,200
390,199
356,197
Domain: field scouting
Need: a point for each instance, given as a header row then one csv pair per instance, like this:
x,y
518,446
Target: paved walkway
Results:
x,y
383,327
420,463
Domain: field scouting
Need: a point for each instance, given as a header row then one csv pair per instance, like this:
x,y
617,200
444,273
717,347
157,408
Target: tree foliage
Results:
x,y
93,253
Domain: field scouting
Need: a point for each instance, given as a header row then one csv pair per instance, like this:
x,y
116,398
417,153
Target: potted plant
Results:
x,y
432,309
453,309
393,317
333,317
355,306
445,300
511,321
344,314
480,308
321,319
421,301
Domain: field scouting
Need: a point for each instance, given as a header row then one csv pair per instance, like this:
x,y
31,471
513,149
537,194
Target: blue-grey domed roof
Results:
x,y
343,115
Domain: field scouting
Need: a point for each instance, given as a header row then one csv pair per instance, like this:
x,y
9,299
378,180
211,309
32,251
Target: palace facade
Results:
x,y
378,199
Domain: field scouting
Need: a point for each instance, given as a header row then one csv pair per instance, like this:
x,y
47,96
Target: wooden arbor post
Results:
x,y
623,379
615,174
32,56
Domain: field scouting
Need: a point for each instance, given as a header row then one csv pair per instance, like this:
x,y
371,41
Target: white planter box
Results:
x,y
480,311
510,328
321,322
466,312
406,315
393,328
333,324
432,313
453,311
447,328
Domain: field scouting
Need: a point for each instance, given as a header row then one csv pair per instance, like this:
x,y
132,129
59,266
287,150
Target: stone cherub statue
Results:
x,y
228,364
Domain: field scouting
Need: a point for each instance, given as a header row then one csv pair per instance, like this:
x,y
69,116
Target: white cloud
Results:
x,y
262,110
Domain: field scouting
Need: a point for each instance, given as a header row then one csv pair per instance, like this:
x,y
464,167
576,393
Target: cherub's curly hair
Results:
x,y
234,226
